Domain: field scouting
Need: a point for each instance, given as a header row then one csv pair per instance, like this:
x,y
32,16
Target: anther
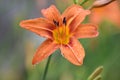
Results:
x,y
55,22
64,20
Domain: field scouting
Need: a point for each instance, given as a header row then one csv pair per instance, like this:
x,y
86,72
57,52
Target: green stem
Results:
x,y
75,1
82,3
46,68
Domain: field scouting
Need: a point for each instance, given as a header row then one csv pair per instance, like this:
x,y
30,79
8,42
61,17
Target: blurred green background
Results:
x,y
17,46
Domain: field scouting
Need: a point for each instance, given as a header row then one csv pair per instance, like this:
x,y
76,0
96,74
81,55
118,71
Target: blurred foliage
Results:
x,y
17,46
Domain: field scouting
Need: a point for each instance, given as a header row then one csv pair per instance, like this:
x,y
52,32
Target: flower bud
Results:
x,y
99,3
96,74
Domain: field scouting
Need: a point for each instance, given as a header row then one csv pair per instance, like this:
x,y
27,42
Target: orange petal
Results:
x,y
96,15
75,14
72,11
78,19
39,26
113,13
52,13
45,49
86,31
74,52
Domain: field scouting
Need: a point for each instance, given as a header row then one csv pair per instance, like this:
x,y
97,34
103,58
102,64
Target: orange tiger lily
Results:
x,y
109,12
61,31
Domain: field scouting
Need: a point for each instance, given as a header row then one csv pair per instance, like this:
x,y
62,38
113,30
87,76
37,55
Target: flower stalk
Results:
x,y
46,67
83,2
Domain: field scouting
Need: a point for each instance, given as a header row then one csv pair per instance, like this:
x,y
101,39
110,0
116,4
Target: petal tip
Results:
x,y
97,33
78,63
43,10
22,23
33,62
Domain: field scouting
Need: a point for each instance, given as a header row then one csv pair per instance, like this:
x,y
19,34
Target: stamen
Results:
x,y
64,20
55,22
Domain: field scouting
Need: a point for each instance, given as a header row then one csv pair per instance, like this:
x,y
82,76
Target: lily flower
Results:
x,y
61,31
109,12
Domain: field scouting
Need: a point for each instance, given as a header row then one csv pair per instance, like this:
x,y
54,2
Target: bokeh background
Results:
x,y
17,46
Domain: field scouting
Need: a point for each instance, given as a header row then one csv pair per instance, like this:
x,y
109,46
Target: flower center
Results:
x,y
61,34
